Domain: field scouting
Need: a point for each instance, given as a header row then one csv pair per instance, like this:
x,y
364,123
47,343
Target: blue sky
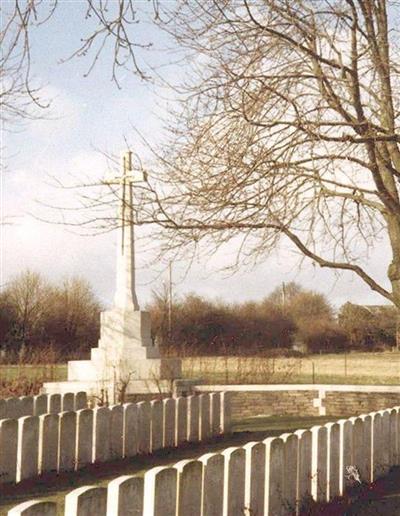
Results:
x,y
92,113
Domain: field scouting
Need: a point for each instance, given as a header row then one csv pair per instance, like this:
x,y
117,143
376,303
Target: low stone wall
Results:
x,y
12,408
307,400
266,478
66,441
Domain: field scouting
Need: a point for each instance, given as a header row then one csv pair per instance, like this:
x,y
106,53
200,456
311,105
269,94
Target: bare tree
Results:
x,y
289,127
110,23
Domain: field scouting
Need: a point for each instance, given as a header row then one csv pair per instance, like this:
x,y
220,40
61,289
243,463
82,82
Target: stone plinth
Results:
x,y
125,354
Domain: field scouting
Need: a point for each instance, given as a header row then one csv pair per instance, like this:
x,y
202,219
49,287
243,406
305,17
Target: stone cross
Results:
x,y
125,294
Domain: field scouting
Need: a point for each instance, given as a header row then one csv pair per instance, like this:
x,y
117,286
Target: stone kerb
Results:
x,y
160,491
116,432
254,491
274,479
34,508
212,484
193,418
169,422
189,496
156,441
66,441
84,438
131,430
181,420
234,481
86,501
319,463
125,496
48,443
27,453
8,450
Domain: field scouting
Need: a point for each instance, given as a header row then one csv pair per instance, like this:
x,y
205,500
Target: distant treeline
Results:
x,y
45,322
291,318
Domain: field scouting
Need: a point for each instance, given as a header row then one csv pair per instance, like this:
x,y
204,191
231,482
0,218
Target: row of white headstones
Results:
x,y
67,441
270,477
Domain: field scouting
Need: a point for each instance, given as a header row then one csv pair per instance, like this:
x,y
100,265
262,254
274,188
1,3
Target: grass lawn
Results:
x,y
55,487
56,372
351,368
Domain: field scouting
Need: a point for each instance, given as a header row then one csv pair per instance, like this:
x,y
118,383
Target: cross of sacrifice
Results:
x,y
125,295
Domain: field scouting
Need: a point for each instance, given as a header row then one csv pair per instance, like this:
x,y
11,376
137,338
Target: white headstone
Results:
x,y
116,432
67,441
86,501
101,434
156,425
48,442
274,480
8,449
234,480
160,491
226,412
68,402
131,429
34,508
290,469
54,406
254,477
333,460
181,421
215,413
25,406
213,484
80,400
319,461
40,404
190,473
204,427
193,418
144,426
169,423
362,448
125,496
28,450
84,437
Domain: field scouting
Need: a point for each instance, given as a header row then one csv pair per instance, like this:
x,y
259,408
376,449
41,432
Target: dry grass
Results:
x,y
353,368
357,368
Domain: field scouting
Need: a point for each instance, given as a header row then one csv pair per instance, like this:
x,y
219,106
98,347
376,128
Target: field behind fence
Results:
x,y
345,368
